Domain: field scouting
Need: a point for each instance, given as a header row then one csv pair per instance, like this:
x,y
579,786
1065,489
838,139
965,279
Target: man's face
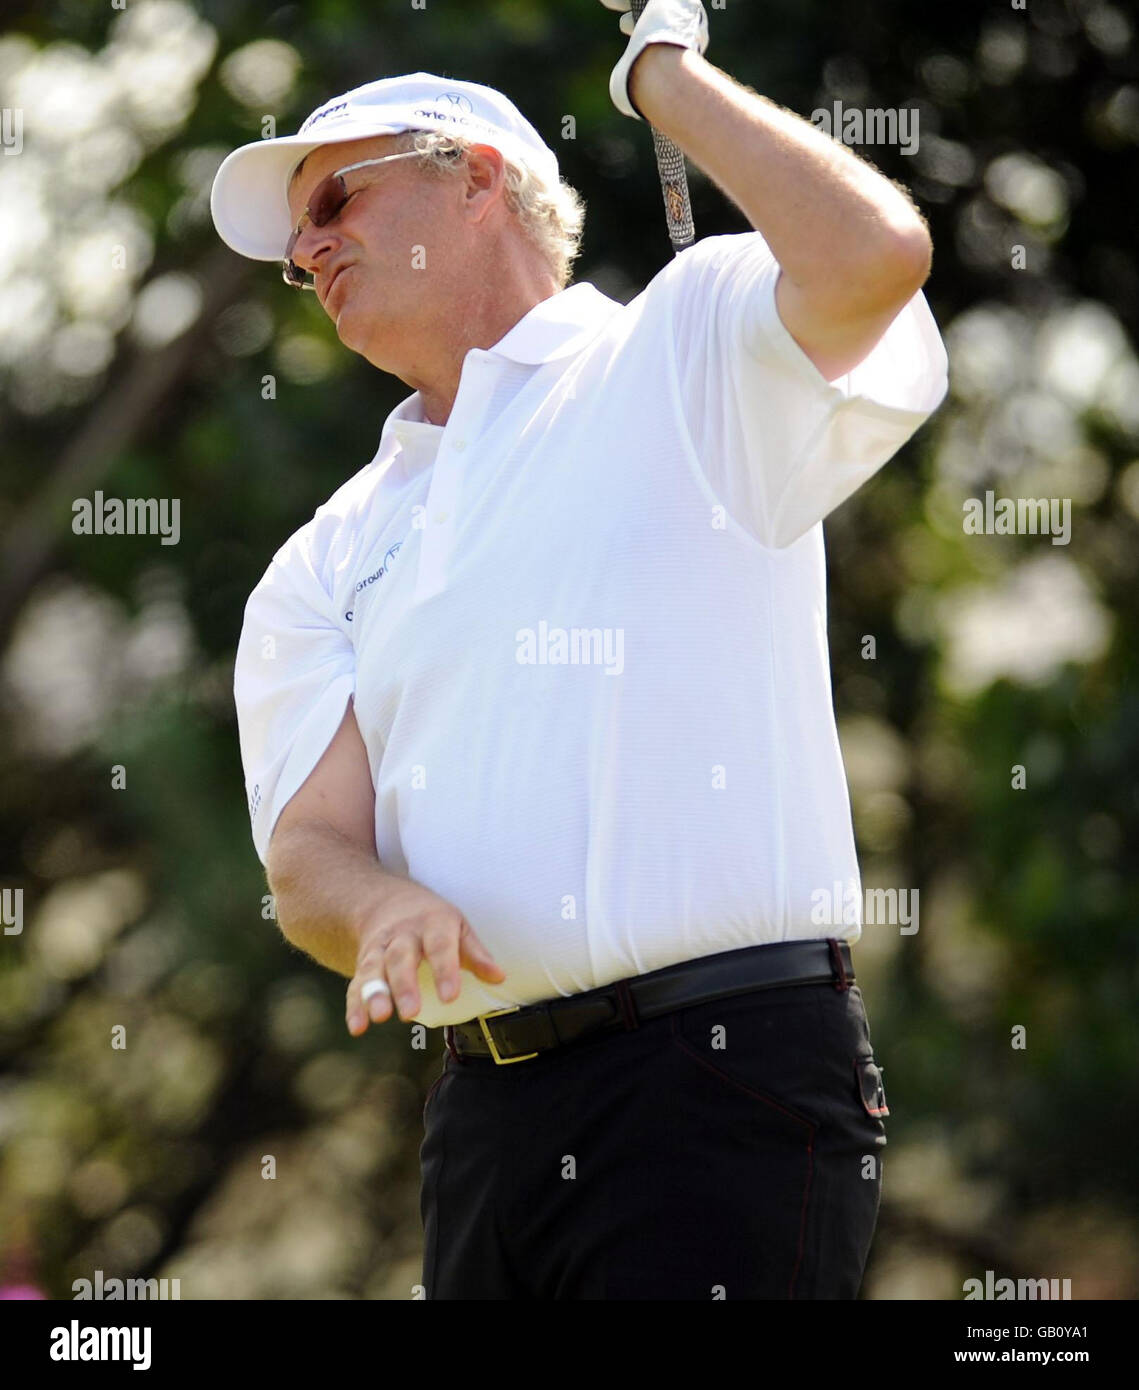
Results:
x,y
384,267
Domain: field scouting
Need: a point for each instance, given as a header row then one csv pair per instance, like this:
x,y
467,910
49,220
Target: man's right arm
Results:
x,y
337,904
322,866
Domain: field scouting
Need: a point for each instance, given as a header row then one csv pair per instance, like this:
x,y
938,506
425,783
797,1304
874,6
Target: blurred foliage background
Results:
x,y
143,906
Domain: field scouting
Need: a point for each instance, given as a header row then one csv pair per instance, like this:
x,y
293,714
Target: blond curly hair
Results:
x,y
552,217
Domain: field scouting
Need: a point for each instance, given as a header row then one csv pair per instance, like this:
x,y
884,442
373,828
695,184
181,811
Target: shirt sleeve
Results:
x,y
294,674
779,445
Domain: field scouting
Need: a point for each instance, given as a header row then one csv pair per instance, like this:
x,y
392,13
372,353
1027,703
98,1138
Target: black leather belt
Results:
x,y
518,1033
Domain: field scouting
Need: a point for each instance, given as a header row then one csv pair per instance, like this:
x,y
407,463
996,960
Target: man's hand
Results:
x,y
852,248
680,22
412,925
336,902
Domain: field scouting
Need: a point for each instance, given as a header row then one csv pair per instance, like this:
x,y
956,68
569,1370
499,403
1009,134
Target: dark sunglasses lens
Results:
x,y
330,196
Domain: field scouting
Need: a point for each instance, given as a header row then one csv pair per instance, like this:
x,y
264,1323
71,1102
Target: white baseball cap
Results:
x,y
249,199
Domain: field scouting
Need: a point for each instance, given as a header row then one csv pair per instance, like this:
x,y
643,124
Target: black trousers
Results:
x,y
730,1150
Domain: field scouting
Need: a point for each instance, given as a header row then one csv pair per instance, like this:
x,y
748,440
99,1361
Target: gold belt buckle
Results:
x,y
495,1013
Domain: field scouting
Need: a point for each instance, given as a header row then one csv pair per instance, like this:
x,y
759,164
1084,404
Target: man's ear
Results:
x,y
485,177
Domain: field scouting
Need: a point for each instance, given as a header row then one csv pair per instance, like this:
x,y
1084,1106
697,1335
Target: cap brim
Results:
x,y
249,198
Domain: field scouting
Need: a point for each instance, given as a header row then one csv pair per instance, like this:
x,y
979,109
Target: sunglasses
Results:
x,y
328,198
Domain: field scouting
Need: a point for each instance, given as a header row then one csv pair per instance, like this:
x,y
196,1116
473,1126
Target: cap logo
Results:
x,y
450,116
322,113
457,99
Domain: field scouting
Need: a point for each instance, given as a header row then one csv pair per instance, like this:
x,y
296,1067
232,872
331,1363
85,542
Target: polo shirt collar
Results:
x,y
556,327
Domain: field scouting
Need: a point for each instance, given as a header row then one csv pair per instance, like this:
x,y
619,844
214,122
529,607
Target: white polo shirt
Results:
x,y
584,627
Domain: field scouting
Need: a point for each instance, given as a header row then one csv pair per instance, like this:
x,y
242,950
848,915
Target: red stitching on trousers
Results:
x,y
731,1080
803,1216
685,1047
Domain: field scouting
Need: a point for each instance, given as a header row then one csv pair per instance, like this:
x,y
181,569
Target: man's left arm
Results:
x,y
851,247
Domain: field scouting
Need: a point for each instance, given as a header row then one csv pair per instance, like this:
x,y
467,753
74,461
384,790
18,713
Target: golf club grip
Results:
x,y
673,179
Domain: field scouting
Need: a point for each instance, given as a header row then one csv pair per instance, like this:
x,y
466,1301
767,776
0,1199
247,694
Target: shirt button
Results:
x,y
459,445
440,518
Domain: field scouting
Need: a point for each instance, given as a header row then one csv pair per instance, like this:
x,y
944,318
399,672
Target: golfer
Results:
x,y
535,712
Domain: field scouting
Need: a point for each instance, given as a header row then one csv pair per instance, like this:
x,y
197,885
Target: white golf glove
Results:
x,y
680,22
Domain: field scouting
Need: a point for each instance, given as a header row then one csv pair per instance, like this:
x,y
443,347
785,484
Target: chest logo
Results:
x,y
375,576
